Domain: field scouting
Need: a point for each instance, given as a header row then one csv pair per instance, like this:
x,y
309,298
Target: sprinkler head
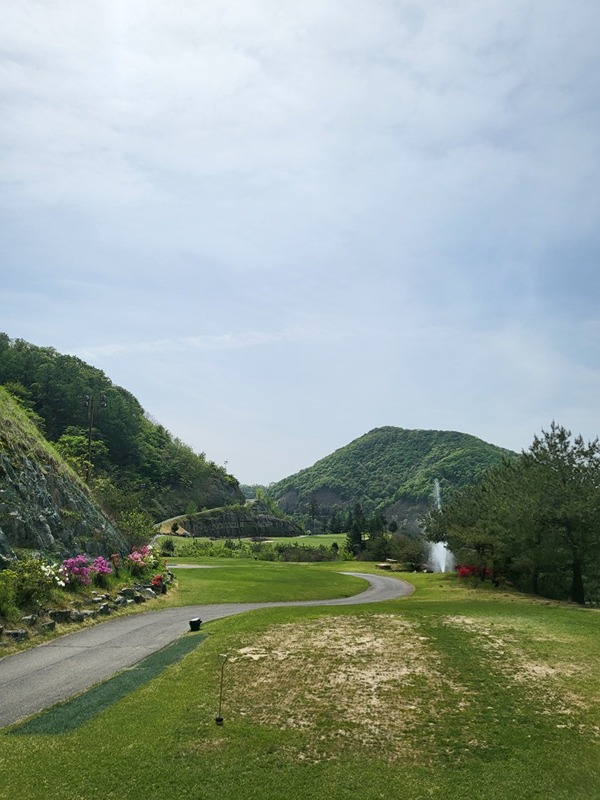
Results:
x,y
219,720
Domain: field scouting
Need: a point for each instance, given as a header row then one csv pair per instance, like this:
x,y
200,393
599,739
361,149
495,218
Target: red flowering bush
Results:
x,y
472,571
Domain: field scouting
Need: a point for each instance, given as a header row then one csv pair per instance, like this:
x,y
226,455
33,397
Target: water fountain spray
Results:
x,y
440,558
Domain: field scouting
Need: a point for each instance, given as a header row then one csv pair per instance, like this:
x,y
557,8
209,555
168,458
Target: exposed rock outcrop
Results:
x,y
43,505
240,522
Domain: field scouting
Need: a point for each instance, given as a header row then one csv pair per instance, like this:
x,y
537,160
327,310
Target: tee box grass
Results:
x,y
451,693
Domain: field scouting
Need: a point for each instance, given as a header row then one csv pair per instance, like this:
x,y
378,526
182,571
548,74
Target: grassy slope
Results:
x,y
451,693
19,436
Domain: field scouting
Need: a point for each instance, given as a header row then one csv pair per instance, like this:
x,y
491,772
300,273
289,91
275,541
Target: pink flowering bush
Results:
x,y
76,571
143,559
101,569
81,571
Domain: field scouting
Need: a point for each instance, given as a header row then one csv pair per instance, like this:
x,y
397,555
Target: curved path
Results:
x,y
38,678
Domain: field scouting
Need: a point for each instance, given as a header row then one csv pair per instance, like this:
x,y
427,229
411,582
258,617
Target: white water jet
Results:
x,y
440,558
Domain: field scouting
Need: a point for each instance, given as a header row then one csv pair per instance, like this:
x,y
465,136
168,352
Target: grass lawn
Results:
x,y
325,539
240,581
451,693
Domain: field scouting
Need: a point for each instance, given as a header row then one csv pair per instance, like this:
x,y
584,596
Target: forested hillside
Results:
x,y
389,470
44,506
132,464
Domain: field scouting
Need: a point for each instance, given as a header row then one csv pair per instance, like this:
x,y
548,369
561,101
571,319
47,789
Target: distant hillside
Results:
x,y
389,469
43,504
129,461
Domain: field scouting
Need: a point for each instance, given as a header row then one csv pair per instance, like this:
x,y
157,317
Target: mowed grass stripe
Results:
x,y
69,716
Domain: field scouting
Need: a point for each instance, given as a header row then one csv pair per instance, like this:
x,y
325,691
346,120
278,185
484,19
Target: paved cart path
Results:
x,y
42,676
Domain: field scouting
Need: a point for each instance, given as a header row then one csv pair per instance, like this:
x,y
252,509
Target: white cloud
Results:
x,y
210,342
358,210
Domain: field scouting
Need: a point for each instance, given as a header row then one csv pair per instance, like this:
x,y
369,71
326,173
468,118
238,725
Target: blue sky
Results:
x,y
283,224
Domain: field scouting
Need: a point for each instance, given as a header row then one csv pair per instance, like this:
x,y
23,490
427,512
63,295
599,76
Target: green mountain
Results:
x,y
131,464
44,505
388,470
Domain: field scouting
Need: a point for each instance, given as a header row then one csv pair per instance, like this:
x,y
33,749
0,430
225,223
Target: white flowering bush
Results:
x,y
54,573
35,581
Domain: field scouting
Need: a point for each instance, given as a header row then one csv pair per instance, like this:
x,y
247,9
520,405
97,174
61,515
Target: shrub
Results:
x,y
101,569
29,581
167,547
142,560
472,571
82,571
8,579
77,571
36,581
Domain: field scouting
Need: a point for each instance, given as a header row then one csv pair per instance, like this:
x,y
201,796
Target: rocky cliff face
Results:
x,y
239,522
43,505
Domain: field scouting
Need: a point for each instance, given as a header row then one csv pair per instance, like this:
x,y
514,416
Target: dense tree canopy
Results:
x,y
534,521
389,470
104,433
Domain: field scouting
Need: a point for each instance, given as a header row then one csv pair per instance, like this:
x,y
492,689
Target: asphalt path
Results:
x,y
38,678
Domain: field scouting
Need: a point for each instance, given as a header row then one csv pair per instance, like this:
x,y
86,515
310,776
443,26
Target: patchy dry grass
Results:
x,y
354,683
526,655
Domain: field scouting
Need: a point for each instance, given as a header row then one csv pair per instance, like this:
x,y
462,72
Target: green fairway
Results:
x,y
184,545
449,694
316,540
242,581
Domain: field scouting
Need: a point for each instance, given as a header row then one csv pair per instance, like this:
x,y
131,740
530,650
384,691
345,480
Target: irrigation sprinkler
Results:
x,y
223,657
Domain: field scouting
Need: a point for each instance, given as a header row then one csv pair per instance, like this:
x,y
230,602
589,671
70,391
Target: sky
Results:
x,y
282,224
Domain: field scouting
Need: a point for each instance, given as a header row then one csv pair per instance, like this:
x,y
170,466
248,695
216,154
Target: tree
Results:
x,y
76,448
411,552
376,523
354,539
313,510
535,521
136,527
378,547
335,523
566,474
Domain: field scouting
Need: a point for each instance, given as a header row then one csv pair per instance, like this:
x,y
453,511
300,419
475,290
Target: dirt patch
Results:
x,y
360,682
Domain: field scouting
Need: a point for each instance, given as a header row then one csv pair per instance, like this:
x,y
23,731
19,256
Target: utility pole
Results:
x,y
88,401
